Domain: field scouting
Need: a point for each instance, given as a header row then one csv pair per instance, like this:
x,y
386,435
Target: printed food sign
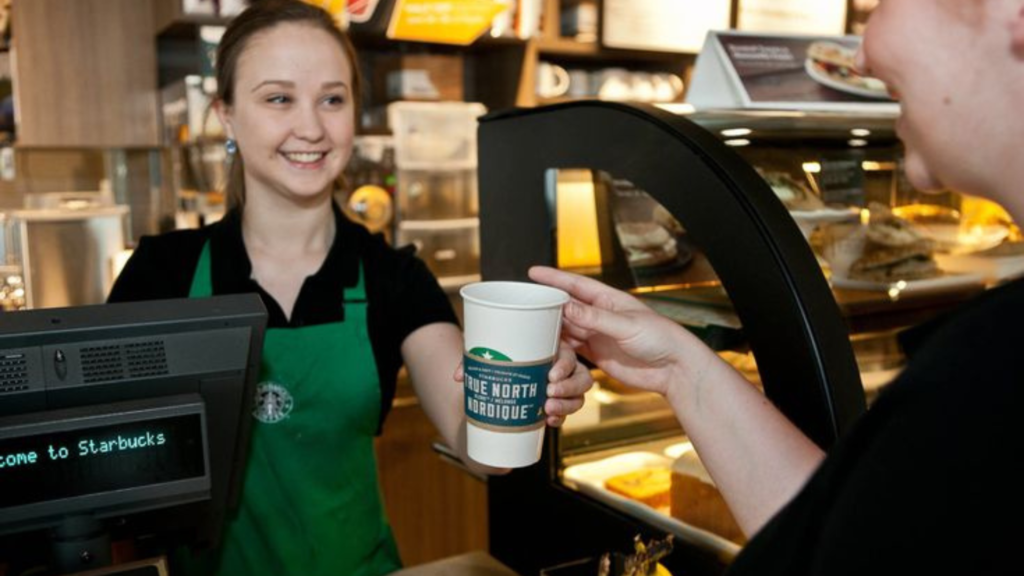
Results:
x,y
445,21
739,69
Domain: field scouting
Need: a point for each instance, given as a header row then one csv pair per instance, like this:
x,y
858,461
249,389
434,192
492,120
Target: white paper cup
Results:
x,y
511,340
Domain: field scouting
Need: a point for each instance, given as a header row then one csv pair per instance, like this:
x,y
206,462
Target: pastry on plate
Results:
x,y
795,195
647,485
893,250
646,243
895,264
697,501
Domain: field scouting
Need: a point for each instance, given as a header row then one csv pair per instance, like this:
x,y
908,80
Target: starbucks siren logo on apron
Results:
x,y
273,403
302,366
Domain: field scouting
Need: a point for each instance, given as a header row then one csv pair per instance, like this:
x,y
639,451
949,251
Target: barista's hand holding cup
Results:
x,y
511,341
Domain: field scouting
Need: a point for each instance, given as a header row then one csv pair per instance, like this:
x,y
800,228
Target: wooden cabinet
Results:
x,y
85,73
502,72
497,72
589,57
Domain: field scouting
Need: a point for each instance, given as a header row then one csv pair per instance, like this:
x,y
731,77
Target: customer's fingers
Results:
x,y
613,324
586,289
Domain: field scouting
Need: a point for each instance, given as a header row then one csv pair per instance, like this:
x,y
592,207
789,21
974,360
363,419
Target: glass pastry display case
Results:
x,y
790,243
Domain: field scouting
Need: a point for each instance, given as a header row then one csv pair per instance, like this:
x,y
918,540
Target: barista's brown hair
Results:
x,y
264,15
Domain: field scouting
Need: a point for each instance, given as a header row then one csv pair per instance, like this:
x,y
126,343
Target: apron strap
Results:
x,y
357,294
202,285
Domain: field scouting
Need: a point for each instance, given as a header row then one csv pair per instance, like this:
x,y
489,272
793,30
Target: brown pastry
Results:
x,y
894,264
696,500
887,229
894,250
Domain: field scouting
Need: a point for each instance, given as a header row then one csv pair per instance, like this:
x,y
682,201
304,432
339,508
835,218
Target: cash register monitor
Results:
x,y
126,420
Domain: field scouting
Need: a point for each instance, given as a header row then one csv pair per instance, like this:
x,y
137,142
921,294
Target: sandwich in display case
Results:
x,y
789,243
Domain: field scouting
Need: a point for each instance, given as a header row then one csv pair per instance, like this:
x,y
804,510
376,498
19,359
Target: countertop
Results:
x,y
476,563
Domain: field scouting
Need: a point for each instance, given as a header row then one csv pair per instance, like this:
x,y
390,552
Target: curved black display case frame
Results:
x,y
789,316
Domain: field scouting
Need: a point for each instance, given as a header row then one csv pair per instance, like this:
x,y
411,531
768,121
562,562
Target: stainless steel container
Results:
x,y
12,283
67,254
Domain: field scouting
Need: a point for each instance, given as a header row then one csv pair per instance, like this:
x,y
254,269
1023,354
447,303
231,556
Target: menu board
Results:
x,y
335,8
662,25
841,181
444,21
826,17
743,70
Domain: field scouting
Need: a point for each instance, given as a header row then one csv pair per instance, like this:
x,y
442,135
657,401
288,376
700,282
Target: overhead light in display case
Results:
x,y
736,132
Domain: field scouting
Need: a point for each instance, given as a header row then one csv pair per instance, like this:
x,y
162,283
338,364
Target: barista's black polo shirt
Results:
x,y
402,294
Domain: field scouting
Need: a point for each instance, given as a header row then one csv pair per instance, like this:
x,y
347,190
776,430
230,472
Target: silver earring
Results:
x,y
231,147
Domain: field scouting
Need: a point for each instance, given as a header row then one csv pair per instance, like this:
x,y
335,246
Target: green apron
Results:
x,y
311,504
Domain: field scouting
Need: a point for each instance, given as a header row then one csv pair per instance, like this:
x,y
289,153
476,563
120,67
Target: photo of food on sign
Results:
x,y
774,70
834,66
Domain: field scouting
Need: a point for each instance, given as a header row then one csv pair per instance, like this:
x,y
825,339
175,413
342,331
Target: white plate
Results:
x,y
939,283
677,450
993,268
961,240
599,471
842,86
826,215
589,478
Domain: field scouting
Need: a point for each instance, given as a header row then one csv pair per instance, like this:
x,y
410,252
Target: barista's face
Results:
x,y
293,114
952,64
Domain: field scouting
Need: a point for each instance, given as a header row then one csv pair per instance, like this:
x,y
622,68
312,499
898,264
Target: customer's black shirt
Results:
x,y
930,480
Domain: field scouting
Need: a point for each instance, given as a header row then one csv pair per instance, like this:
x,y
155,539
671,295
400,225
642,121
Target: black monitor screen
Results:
x,y
50,466
130,418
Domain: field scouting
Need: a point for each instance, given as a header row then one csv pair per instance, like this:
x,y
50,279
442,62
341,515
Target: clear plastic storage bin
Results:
x,y
432,194
448,247
435,135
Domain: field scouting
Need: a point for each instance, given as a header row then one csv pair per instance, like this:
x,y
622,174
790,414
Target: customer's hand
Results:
x,y
622,336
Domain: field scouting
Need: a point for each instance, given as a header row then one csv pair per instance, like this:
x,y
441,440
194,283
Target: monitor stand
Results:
x,y
80,543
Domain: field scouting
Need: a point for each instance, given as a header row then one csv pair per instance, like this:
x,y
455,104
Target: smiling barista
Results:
x,y
346,310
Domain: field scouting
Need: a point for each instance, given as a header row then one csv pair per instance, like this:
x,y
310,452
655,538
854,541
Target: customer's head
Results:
x,y
958,69
288,83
